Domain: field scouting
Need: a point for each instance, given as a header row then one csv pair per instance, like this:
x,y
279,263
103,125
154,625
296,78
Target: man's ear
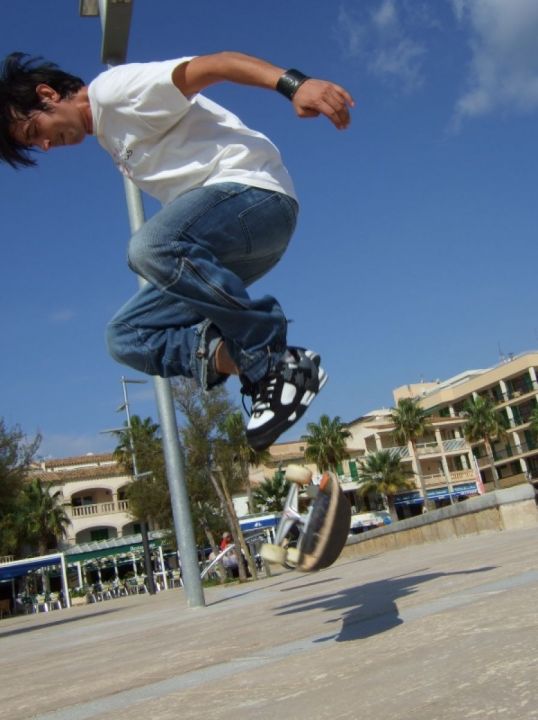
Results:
x,y
47,94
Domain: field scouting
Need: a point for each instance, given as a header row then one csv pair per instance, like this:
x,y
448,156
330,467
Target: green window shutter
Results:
x,y
353,469
339,469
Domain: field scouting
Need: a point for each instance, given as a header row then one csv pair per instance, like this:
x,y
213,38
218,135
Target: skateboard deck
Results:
x,y
318,535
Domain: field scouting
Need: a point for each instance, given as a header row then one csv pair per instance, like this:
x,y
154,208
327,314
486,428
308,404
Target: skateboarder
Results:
x,y
229,210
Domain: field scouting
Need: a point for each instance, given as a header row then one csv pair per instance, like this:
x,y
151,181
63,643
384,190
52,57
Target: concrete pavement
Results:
x,y
441,631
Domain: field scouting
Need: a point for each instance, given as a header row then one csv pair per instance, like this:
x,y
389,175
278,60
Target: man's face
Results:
x,y
64,122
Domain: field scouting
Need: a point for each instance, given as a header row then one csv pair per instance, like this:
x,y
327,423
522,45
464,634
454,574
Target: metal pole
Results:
x,y
115,25
143,523
173,454
65,586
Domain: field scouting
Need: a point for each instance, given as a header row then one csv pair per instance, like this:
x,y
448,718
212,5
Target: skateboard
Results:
x,y
312,540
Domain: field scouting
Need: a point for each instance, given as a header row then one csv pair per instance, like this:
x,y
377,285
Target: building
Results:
x,y
512,387
451,467
93,486
92,491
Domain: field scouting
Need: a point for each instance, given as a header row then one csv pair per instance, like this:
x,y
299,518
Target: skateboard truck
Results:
x,y
312,540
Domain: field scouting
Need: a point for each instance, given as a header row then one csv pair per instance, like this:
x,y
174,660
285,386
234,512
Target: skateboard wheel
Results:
x,y
298,474
274,553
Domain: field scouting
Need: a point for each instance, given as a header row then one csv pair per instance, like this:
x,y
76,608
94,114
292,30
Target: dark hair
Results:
x,y
20,74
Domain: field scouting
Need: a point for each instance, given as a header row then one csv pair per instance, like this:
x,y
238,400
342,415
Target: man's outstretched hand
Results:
x,y
321,97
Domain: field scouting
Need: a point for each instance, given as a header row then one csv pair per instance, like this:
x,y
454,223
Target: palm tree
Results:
x,y
270,495
16,455
410,424
148,493
382,473
141,438
43,519
326,443
484,423
234,430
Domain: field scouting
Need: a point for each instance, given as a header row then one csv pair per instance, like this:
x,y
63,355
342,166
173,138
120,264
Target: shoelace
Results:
x,y
261,393
262,401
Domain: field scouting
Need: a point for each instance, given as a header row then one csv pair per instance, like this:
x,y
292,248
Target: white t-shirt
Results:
x,y
167,143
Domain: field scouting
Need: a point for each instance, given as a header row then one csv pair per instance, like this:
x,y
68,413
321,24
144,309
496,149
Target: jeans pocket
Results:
x,y
269,224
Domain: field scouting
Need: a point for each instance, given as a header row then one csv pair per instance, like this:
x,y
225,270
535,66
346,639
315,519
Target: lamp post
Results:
x,y
115,24
137,475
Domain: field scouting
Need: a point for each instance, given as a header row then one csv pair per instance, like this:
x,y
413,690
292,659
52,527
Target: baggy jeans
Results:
x,y
198,254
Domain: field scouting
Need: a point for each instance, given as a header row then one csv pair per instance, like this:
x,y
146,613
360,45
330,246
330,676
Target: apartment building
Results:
x,y
93,486
451,467
92,491
512,387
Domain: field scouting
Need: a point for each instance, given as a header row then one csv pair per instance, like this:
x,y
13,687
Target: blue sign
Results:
x,y
259,523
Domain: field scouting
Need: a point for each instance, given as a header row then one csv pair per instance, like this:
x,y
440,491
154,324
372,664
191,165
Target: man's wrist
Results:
x,y
290,82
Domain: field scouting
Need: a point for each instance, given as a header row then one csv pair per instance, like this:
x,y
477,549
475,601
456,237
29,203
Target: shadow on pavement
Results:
x,y
368,609
54,623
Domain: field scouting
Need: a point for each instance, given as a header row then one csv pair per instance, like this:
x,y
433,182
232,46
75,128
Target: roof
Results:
x,y
81,467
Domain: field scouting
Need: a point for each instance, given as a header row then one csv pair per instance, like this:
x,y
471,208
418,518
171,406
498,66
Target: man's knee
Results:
x,y
117,341
153,256
138,253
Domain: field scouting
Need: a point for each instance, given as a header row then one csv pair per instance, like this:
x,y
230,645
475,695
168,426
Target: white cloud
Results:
x,y
503,72
61,316
383,40
385,17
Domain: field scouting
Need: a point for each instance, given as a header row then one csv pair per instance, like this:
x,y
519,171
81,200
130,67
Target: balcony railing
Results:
x,y
106,508
509,452
522,388
4,559
399,451
433,448
461,475
455,445
456,476
430,448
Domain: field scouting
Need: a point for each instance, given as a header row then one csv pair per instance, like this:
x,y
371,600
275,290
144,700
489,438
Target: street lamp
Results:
x,y
137,476
115,23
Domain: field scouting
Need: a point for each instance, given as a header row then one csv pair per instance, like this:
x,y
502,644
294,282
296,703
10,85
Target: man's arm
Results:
x,y
312,97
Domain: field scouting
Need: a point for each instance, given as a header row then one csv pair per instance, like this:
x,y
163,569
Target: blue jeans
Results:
x,y
198,255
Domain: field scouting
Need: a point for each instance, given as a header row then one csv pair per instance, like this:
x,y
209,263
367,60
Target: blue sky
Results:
x,y
414,257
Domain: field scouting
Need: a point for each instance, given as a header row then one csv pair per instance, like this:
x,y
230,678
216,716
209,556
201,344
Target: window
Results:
x,y
99,534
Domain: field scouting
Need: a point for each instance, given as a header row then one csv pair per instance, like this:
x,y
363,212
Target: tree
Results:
x,y
242,455
410,424
43,520
326,443
148,493
382,473
16,455
484,423
211,468
270,495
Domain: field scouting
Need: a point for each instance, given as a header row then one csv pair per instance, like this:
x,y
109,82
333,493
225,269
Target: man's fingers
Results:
x,y
322,97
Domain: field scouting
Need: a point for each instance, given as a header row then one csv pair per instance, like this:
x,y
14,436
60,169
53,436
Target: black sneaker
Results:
x,y
282,397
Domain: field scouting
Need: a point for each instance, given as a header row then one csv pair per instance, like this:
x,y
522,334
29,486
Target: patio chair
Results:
x,y
5,607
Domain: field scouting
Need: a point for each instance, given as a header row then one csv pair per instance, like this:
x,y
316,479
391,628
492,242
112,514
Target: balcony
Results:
x,y
518,390
510,452
462,475
456,476
455,445
430,448
399,451
107,508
